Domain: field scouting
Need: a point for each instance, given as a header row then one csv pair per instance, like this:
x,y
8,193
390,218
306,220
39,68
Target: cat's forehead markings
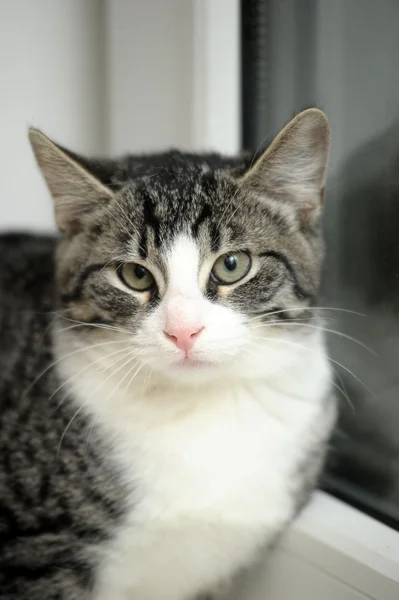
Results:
x,y
183,265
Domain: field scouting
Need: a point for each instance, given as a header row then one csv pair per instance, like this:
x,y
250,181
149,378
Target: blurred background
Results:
x,y
109,76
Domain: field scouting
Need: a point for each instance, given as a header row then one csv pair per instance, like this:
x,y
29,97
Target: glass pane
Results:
x,y
344,57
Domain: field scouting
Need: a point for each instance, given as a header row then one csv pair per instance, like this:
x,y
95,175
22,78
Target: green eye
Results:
x,y
136,277
230,268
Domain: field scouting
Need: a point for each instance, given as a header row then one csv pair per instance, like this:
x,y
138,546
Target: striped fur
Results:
x,y
91,457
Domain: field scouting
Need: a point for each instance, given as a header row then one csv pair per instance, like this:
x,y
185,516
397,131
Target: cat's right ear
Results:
x,y
293,168
76,191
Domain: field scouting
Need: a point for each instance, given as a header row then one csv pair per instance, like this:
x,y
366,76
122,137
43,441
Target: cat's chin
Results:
x,y
193,363
192,370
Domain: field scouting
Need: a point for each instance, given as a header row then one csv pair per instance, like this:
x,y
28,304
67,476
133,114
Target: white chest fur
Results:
x,y
209,487
212,471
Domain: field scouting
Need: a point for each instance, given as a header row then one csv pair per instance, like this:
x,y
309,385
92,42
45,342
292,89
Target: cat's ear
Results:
x,y
293,167
75,190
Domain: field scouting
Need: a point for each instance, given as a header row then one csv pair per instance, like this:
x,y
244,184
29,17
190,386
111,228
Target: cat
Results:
x,y
165,395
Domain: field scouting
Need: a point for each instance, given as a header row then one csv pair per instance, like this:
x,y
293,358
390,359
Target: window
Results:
x,y
343,56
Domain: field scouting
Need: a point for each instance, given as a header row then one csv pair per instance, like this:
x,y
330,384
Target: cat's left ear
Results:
x,y
76,191
293,167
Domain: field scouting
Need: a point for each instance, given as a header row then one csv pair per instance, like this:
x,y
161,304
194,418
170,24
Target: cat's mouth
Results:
x,y
193,362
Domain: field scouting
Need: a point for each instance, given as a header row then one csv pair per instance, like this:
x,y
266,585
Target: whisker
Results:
x,y
333,308
228,206
333,383
67,427
294,320
136,373
53,364
89,434
126,375
343,390
88,366
129,352
121,224
100,325
134,365
112,260
302,347
97,325
338,333
131,357
146,382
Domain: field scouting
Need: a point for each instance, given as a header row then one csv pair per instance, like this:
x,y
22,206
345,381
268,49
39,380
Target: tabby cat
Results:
x,y
165,394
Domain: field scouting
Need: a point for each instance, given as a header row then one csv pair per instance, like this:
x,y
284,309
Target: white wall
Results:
x,y
98,76
51,77
216,76
173,75
108,77
149,74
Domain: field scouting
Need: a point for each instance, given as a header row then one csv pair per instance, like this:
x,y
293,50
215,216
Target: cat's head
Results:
x,y
197,266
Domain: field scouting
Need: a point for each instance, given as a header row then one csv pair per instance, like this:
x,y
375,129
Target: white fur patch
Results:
x,y
209,452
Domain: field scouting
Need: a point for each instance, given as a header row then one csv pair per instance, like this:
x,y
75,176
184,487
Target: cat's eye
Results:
x,y
230,268
136,277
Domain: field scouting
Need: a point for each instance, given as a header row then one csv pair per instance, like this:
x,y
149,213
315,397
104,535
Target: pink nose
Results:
x,y
184,337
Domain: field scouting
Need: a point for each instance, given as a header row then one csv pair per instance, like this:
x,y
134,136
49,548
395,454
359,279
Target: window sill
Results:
x,y
332,552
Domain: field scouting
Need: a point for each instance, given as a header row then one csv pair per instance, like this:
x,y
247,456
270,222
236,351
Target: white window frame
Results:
x,y
216,76
333,551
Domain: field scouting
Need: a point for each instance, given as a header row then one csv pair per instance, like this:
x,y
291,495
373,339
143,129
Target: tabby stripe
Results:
x,y
283,316
52,532
107,506
151,219
76,293
143,245
8,519
300,292
215,237
97,320
11,572
206,213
